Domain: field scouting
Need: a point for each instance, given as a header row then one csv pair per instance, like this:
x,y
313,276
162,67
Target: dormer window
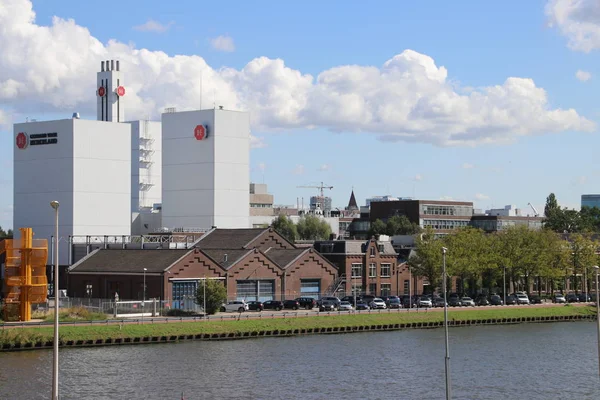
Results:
x,y
372,251
380,246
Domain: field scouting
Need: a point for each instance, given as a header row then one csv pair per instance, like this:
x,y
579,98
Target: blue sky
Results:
x,y
491,102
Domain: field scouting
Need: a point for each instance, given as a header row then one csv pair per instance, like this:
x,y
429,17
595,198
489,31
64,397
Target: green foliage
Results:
x,y
216,295
377,228
426,261
401,225
311,227
285,227
5,234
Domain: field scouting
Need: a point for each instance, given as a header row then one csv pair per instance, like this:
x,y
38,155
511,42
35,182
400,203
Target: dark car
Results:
x,y
291,304
273,305
255,306
572,298
439,302
482,301
496,300
584,297
307,302
351,299
510,300
454,302
394,303
327,305
535,300
361,305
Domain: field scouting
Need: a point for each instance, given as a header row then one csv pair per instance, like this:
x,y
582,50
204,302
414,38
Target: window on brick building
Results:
x,y
357,270
372,251
372,270
386,289
386,270
373,288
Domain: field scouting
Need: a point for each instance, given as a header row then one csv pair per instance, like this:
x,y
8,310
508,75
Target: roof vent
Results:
x,y
225,257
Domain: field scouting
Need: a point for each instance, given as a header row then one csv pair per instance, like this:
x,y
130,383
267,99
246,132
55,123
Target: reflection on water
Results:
x,y
536,361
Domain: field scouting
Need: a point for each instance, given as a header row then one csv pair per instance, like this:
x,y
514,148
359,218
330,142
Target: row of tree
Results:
x,y
309,227
5,234
564,220
396,225
524,256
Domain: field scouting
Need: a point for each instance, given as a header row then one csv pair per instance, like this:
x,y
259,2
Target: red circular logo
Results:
x,y
101,91
199,132
22,140
121,91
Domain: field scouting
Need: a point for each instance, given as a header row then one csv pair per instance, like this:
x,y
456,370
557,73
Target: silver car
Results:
x,y
467,302
345,306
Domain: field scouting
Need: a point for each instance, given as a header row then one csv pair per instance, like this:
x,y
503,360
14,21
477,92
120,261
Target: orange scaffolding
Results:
x,y
25,281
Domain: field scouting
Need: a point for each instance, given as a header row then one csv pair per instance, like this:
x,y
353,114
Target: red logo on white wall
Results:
x,y
101,91
200,132
22,140
121,91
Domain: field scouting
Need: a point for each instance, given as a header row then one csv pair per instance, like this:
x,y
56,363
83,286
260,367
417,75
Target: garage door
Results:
x,y
251,290
310,288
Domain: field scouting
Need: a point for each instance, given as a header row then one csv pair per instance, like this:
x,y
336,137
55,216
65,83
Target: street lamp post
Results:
x,y
447,358
504,286
144,295
598,317
409,288
204,295
54,204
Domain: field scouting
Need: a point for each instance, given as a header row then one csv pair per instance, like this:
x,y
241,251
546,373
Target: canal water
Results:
x,y
527,361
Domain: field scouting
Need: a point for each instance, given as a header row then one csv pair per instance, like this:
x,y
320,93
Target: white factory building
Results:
x,y
115,177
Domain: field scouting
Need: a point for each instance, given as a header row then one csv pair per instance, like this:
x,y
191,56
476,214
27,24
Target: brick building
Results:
x,y
251,263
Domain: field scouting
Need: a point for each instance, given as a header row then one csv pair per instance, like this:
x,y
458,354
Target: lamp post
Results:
x,y
409,290
504,286
598,317
144,295
54,204
204,294
447,358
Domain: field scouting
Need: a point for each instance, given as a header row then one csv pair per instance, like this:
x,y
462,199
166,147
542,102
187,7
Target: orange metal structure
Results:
x,y
25,279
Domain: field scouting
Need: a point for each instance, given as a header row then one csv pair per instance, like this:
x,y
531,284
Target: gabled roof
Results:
x,y
128,261
233,256
229,238
283,257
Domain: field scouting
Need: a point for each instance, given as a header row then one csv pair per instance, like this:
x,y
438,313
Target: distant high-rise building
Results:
x,y
590,200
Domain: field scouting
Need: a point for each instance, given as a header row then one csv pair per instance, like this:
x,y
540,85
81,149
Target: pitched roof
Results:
x,y
283,257
228,238
351,246
352,203
128,261
233,255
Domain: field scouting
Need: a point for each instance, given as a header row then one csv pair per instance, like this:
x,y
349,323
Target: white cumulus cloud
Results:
x,y
481,196
153,26
324,167
583,76
578,21
223,43
257,142
408,98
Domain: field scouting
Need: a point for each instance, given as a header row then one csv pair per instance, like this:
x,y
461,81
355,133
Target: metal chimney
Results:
x,y
117,65
102,66
112,65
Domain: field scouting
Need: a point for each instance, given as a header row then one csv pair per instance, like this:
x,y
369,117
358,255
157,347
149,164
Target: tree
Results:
x,y
401,225
216,295
377,228
583,250
468,256
311,227
426,261
285,227
5,234
551,206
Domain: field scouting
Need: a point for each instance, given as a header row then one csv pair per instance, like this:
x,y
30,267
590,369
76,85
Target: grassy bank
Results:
x,y
44,334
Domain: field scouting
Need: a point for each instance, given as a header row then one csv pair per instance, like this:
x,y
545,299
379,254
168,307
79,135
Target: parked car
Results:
x,y
336,301
439,302
389,299
584,297
255,306
327,305
535,299
307,302
511,299
378,304
291,304
522,298
467,302
454,302
496,300
482,301
361,305
273,305
394,303
424,301
559,298
368,298
235,306
345,306
572,298
351,299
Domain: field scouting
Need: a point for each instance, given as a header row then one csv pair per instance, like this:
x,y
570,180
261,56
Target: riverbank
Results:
x,y
76,336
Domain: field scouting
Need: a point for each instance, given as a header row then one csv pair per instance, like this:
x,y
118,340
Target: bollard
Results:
x,y
154,307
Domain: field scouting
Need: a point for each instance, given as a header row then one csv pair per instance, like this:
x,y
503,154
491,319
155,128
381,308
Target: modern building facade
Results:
x,y
206,174
590,200
495,223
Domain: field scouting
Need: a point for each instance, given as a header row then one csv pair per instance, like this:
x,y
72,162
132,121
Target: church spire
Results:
x,y
352,203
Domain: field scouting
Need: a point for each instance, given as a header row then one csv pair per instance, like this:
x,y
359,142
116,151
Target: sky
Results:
x,y
484,101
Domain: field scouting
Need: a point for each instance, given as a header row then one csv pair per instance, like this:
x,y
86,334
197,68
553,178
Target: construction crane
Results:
x,y
321,187
535,212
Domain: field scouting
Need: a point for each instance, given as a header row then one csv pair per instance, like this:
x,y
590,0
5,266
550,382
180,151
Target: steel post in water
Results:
x,y
447,358
598,318
55,205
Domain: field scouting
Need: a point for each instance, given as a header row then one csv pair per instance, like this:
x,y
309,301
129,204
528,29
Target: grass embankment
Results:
x,y
67,333
72,314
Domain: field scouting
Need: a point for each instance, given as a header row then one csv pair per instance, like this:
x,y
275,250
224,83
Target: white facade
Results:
x,y
86,169
146,165
110,92
206,172
507,211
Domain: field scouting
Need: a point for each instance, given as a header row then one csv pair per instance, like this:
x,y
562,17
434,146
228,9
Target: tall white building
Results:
x,y
146,165
206,174
85,166
110,93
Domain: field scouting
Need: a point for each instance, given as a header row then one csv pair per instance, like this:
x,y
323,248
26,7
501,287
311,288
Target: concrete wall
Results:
x,y
87,171
145,196
205,182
